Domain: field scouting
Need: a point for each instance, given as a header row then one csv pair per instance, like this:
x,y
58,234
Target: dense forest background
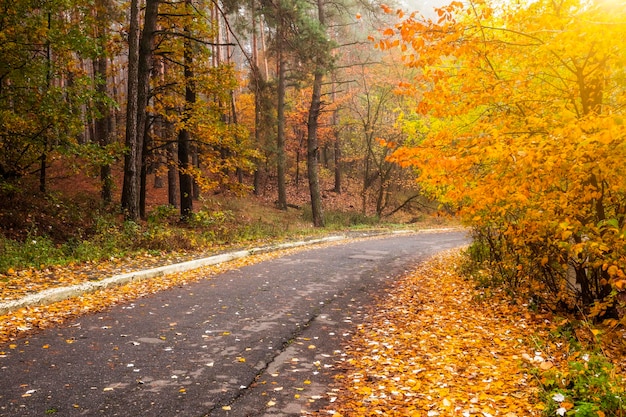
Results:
x,y
195,114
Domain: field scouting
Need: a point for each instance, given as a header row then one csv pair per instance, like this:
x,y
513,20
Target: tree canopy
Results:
x,y
523,133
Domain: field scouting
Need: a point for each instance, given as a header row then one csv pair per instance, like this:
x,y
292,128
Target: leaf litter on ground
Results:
x,y
436,345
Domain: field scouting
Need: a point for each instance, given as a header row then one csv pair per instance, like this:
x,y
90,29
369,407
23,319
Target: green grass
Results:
x,y
218,224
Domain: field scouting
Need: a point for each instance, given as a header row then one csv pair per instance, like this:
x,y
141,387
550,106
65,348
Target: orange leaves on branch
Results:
x,y
528,103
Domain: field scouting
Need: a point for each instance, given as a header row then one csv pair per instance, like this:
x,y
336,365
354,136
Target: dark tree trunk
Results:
x,y
172,174
281,163
102,125
184,177
312,154
139,69
44,152
144,172
130,196
313,151
337,156
184,138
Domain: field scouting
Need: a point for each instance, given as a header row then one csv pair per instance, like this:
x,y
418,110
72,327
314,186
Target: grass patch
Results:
x,y
217,223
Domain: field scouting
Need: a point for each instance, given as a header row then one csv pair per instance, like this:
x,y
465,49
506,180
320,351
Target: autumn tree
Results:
x,y
522,107
194,96
44,89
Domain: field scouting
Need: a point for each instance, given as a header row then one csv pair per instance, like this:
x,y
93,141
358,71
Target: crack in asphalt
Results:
x,y
299,330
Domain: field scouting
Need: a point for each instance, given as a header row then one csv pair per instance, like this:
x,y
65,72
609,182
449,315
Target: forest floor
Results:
x,y
436,345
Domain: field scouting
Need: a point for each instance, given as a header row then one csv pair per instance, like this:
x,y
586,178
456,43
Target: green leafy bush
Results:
x,y
588,388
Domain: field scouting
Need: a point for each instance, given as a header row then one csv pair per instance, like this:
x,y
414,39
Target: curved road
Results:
x,y
263,340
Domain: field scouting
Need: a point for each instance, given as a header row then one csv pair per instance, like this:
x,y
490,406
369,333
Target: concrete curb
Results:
x,y
62,293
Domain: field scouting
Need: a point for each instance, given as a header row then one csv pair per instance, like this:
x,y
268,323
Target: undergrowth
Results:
x,y
587,385
107,236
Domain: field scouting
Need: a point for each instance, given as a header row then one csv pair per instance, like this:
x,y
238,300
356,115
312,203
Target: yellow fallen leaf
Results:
x,y
226,408
271,403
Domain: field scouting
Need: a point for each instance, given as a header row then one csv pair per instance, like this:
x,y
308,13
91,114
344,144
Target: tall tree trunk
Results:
x,y
130,193
143,180
337,152
44,153
184,139
312,154
281,163
172,172
139,69
102,125
104,122
256,80
184,177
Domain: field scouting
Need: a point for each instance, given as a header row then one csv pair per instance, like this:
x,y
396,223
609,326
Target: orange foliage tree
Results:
x,y
522,131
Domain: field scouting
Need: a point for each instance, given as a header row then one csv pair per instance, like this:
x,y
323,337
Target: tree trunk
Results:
x,y
313,149
102,125
337,145
172,174
139,69
130,196
184,139
312,154
256,80
145,151
337,155
44,153
281,163
184,176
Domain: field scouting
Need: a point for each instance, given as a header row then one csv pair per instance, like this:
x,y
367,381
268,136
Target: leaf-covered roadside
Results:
x,y
24,320
438,346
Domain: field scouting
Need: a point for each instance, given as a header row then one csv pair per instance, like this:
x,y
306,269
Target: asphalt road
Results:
x,y
263,340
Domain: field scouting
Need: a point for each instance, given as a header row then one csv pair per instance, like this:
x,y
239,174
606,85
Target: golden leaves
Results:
x,y
431,349
538,164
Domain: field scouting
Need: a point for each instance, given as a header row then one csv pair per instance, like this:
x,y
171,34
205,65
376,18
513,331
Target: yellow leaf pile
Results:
x,y
435,346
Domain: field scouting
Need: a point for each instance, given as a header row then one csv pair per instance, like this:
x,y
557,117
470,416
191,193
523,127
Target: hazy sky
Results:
x,y
426,7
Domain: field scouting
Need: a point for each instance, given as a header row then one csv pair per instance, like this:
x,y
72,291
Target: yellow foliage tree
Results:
x,y
524,104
